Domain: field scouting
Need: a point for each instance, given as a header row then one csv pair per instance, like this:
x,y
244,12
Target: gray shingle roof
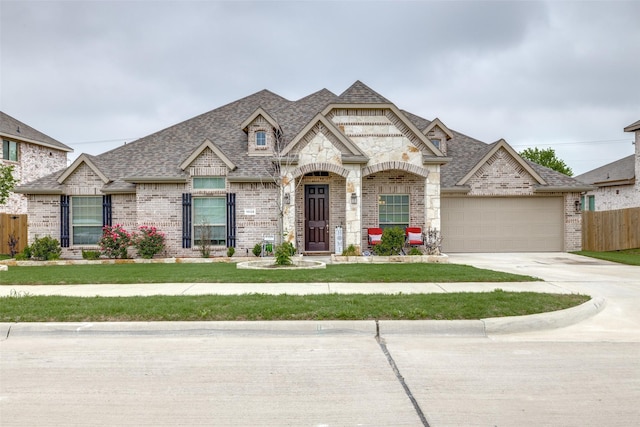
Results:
x,y
359,93
622,170
160,154
14,128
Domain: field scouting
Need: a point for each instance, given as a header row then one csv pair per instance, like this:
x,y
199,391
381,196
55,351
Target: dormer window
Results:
x,y
436,142
261,138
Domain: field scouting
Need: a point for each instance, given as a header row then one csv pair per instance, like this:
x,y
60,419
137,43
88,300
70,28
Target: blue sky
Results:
x,y
96,74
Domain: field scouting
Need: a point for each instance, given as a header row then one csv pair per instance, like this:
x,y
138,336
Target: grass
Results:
x,y
228,273
628,256
453,306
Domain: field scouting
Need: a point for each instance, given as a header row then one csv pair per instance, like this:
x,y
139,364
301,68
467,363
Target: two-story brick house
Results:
x,y
263,165
32,154
616,184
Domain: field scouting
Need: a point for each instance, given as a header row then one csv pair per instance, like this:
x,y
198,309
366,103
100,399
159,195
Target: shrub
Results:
x,y
392,242
414,251
351,251
283,253
45,248
230,251
90,255
115,241
148,241
257,249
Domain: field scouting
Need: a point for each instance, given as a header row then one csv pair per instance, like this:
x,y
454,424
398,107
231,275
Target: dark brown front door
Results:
x,y
316,214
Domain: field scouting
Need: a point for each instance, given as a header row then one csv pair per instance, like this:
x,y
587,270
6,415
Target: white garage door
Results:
x,y
508,224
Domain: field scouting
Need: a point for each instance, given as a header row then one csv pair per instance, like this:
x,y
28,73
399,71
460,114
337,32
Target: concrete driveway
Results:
x,y
618,284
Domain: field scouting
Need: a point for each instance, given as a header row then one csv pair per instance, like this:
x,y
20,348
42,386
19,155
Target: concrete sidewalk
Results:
x,y
483,327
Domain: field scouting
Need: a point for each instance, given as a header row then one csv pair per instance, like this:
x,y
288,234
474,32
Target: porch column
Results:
x,y
353,211
289,209
432,198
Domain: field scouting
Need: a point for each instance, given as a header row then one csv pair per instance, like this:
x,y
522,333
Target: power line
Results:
x,y
101,141
579,142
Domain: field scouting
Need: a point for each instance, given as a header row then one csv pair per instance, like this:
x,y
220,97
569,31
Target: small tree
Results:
x,y
547,157
7,182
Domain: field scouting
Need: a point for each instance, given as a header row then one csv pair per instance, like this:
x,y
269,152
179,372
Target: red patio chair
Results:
x,y
414,236
375,236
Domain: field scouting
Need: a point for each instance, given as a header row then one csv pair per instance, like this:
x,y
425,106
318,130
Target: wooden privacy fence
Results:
x,y
12,227
611,230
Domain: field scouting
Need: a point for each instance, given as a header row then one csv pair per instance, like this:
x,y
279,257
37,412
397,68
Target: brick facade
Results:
x,y
34,161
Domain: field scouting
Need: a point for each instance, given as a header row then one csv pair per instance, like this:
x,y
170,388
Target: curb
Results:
x,y
542,321
443,328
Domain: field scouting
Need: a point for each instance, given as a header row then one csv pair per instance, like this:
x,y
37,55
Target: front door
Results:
x,y
316,214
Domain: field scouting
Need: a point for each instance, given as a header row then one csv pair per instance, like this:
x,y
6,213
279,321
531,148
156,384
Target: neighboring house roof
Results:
x,y
162,156
633,127
15,129
620,172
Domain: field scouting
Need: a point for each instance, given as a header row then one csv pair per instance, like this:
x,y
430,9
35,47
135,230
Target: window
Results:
x,y
393,210
436,142
10,150
86,220
592,203
209,183
209,220
261,138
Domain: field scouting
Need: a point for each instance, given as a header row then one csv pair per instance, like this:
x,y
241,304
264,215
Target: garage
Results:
x,y
502,224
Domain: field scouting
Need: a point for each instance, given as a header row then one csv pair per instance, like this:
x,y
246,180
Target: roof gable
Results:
x,y
210,145
437,123
259,112
501,144
325,124
83,159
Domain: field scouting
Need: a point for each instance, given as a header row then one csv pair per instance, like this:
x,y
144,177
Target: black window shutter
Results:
x,y
64,221
106,210
231,220
186,220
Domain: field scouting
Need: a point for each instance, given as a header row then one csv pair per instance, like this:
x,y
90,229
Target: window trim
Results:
x,y
6,150
219,179
263,139
195,223
99,207
403,225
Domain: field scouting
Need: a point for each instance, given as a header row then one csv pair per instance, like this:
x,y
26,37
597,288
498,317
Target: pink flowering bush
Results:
x,y
148,241
115,241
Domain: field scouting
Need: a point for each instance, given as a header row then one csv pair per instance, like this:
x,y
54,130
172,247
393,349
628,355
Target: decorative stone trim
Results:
x,y
408,167
313,167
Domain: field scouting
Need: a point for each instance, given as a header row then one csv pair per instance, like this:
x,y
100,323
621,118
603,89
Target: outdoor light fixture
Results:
x,y
354,198
287,198
577,206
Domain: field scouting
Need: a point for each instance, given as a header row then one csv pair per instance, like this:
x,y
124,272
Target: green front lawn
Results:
x,y
453,306
628,256
228,273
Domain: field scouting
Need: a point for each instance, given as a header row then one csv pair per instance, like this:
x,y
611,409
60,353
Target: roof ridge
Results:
x,y
360,93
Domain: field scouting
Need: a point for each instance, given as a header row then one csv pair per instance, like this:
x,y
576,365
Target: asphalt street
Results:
x,y
585,372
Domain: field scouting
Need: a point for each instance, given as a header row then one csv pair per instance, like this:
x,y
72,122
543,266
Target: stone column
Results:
x,y
289,209
353,212
432,197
